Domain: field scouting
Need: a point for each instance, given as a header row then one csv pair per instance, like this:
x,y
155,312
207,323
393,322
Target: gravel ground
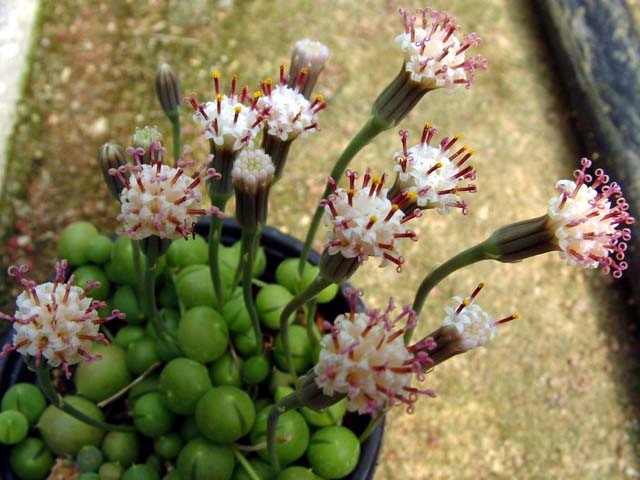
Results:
x,y
554,396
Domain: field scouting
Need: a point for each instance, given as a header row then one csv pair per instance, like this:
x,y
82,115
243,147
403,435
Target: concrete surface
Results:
x,y
17,18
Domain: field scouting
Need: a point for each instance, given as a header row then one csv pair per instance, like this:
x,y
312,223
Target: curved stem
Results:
x,y
149,298
368,132
215,234
126,388
245,464
312,332
285,404
247,254
462,259
318,284
46,385
371,426
177,147
137,262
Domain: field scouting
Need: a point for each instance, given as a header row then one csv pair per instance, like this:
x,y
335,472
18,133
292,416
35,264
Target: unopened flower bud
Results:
x,y
252,176
111,156
307,61
168,90
143,138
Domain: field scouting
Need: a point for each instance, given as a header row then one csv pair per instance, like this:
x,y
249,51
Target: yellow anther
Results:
x,y
257,94
216,74
304,70
437,165
237,109
427,125
373,219
412,196
319,98
457,136
267,81
395,207
471,151
466,302
219,97
515,316
481,285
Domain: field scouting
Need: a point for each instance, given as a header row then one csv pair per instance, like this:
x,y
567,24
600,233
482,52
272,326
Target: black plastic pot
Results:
x,y
278,247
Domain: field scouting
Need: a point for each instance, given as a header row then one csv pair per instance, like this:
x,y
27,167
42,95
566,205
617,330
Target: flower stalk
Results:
x,y
309,293
285,404
43,376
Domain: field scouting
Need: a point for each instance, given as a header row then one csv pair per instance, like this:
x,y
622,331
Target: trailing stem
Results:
x,y
149,299
245,464
215,237
46,385
247,258
318,284
177,144
285,404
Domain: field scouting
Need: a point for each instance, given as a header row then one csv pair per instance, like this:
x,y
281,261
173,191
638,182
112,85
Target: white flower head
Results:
x,y
364,357
364,222
253,170
475,327
55,321
434,174
286,111
307,61
435,56
231,121
587,216
158,199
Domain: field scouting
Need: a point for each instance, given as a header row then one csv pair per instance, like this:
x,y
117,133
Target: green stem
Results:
x,y
259,283
245,464
312,332
462,259
285,404
107,333
373,423
318,284
137,262
177,147
247,258
149,299
46,385
215,235
368,132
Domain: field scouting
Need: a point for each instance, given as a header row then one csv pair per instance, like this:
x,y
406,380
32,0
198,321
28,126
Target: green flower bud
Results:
x,y
168,90
111,156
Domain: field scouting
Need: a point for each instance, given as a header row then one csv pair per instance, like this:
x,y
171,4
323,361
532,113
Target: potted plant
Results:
x,y
174,351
